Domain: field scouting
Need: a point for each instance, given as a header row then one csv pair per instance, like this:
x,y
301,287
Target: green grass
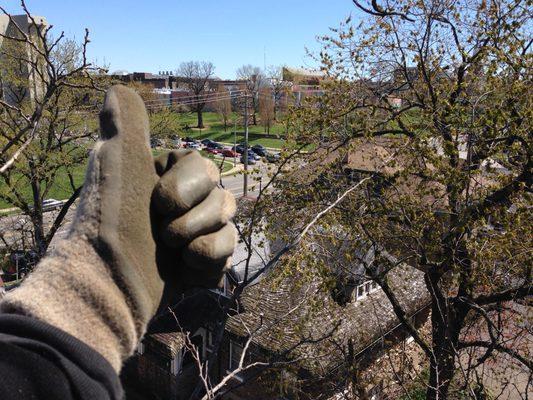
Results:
x,y
61,189
183,125
214,129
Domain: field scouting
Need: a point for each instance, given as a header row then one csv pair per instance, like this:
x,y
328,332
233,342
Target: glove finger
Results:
x,y
210,252
215,211
184,185
165,161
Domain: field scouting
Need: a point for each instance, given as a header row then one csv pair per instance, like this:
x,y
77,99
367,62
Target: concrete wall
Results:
x,y
34,85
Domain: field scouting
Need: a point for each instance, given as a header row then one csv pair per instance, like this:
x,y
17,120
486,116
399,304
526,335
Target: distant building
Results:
x,y
171,90
303,82
28,82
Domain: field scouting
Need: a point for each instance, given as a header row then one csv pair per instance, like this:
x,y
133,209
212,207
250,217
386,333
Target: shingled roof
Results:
x,y
286,313
166,344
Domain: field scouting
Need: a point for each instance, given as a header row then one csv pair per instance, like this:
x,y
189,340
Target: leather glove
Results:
x,y
137,225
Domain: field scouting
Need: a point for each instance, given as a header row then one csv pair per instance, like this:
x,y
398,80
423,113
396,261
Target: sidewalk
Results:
x,y
234,170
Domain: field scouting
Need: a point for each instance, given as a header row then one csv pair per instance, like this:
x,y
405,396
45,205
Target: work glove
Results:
x,y
140,224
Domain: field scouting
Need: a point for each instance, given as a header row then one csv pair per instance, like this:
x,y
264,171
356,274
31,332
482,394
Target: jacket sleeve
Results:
x,y
39,361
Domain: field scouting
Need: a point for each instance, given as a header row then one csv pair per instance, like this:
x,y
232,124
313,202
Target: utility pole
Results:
x,y
235,141
245,181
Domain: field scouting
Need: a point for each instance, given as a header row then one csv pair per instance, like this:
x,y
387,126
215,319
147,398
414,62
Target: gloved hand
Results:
x,y
137,225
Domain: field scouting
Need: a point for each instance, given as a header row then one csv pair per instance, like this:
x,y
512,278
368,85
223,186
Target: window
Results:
x,y
365,289
175,364
235,353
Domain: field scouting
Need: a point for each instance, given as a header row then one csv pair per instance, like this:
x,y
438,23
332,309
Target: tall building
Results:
x,y
22,79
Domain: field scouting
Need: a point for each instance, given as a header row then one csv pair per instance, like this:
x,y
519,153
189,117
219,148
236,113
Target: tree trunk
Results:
x,y
36,214
440,373
200,119
446,321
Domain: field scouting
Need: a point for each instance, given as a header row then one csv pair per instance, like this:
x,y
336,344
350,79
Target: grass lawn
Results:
x,y
215,130
61,189
182,124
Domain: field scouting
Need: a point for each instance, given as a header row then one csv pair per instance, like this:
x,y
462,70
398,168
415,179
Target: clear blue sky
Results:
x,y
159,34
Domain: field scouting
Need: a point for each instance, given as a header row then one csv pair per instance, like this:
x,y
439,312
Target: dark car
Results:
x,y
253,155
272,157
239,148
206,142
259,150
189,139
251,159
215,145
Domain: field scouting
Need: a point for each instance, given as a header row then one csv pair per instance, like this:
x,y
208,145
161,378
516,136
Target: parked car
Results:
x,y
251,160
50,205
229,153
211,150
239,148
272,157
189,139
215,145
253,155
205,142
260,150
192,145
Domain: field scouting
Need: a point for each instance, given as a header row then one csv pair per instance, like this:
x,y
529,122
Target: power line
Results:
x,y
193,102
199,96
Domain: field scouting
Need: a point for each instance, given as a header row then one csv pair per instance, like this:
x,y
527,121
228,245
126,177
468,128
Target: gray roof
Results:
x,y
284,310
260,255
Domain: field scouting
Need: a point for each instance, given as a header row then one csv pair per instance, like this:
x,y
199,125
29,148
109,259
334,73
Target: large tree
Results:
x,y
266,108
223,105
196,76
46,122
432,101
278,87
255,80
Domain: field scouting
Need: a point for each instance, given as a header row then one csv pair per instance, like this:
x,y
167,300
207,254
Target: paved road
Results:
x,y
235,185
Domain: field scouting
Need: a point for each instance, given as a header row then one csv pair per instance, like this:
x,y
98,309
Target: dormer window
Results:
x,y
364,289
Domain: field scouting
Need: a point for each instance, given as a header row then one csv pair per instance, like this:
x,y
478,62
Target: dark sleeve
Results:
x,y
39,361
